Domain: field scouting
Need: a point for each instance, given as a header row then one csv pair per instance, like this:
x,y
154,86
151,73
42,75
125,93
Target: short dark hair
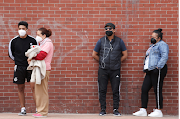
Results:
x,y
45,31
24,23
160,34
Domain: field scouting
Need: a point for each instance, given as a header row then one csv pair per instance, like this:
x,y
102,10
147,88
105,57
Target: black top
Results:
x,y
17,48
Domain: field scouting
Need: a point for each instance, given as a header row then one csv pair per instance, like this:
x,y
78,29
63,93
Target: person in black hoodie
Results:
x,y
17,48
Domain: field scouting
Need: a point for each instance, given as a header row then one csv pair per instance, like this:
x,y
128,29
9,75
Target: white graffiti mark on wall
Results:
x,y
9,31
83,36
59,51
4,32
125,26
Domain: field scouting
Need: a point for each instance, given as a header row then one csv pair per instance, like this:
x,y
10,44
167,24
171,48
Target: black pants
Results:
x,y
103,76
153,78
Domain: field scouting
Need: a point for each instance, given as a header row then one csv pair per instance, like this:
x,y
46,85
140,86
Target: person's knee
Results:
x,y
155,90
115,92
32,86
144,90
21,88
102,90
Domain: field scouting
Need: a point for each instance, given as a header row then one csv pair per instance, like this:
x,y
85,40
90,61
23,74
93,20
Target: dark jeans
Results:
x,y
114,76
153,79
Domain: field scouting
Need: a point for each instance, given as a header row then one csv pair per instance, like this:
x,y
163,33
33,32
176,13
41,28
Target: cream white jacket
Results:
x,y
38,67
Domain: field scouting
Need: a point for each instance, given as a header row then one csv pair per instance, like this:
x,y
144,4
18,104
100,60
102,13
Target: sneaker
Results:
x,y
23,112
102,113
156,113
116,112
141,112
38,115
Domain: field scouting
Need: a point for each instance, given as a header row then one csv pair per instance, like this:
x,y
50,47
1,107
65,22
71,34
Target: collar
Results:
x,y
156,43
43,42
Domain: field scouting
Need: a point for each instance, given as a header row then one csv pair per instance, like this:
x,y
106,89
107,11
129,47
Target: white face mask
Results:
x,y
38,39
22,32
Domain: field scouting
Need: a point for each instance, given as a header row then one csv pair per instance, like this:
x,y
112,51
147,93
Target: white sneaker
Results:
x,y
156,113
141,112
23,112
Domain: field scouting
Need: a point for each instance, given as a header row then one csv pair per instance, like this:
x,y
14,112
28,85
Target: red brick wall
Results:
x,y
77,25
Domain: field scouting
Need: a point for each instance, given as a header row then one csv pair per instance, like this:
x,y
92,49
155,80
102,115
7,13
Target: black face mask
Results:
x,y
109,33
153,41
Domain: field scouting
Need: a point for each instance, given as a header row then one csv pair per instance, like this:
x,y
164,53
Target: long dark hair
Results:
x,y
45,31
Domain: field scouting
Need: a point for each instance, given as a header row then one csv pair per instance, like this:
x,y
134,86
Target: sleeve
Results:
x,y
164,51
123,47
98,46
40,56
11,49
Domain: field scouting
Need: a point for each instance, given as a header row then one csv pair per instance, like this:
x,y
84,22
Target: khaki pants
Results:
x,y
41,95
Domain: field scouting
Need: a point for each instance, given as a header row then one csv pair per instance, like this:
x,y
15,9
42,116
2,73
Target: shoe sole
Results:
x,y
140,115
116,115
155,116
102,115
21,114
38,116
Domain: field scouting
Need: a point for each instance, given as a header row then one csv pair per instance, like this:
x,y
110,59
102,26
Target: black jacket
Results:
x,y
18,47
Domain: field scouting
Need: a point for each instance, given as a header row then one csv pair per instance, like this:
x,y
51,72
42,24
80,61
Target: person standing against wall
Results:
x,y
17,48
155,69
46,54
110,51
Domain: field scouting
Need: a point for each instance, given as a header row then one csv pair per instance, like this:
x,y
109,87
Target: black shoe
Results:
x,y
116,112
102,113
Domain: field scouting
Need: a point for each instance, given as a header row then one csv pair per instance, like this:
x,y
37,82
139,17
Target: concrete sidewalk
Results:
x,y
78,116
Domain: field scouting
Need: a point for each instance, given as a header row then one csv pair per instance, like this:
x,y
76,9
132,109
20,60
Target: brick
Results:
x,y
43,1
53,1
31,1
14,5
9,8
8,1
20,1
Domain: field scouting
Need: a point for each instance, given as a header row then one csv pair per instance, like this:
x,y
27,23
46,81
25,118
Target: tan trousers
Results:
x,y
41,95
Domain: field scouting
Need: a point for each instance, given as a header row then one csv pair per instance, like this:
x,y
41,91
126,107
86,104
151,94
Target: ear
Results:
x,y
159,39
114,30
44,36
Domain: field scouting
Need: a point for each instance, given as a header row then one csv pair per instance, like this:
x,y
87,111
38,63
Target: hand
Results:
x,y
144,75
29,61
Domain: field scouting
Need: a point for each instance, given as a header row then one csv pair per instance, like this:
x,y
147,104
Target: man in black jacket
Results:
x,y
110,51
17,48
